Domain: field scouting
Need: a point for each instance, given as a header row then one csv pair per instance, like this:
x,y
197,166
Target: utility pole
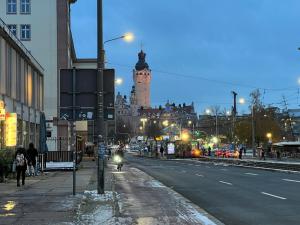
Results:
x,y
288,117
253,131
100,110
234,112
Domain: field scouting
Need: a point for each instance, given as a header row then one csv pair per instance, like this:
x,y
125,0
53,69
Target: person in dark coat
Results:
x,y
241,153
21,164
161,151
32,154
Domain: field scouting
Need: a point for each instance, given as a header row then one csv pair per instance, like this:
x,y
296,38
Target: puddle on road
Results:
x,y
7,208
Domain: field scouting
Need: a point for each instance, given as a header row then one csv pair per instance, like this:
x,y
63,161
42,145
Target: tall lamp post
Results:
x,y
243,101
100,109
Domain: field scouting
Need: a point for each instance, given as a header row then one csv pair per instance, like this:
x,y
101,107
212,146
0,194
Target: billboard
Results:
x,y
78,94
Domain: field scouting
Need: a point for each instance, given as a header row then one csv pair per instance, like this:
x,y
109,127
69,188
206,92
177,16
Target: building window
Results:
x,y
11,6
25,32
13,29
25,7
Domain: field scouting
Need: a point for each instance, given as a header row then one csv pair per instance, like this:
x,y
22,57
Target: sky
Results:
x,y
200,50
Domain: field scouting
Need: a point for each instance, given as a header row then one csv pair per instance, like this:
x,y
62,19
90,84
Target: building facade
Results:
x,y
21,91
43,26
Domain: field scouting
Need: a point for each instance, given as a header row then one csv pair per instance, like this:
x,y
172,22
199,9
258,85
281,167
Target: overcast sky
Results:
x,y
200,50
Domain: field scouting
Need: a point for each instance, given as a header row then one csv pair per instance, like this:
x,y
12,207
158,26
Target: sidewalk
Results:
x,y
138,199
45,199
131,198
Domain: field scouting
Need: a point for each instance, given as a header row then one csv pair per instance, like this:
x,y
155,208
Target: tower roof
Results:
x,y
141,64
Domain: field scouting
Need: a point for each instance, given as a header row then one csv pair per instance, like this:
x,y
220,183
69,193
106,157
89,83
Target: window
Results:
x,y
13,29
11,6
25,32
25,6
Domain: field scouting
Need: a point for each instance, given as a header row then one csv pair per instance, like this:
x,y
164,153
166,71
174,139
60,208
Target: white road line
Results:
x,y
224,169
199,175
296,181
190,164
223,182
252,174
275,196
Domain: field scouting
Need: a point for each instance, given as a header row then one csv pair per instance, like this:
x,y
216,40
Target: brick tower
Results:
x,y
142,79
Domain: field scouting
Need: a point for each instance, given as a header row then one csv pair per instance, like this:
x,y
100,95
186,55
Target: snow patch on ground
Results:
x,y
155,184
97,209
93,195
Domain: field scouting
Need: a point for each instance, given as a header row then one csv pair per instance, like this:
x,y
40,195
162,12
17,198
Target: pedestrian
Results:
x,y
209,151
278,154
21,164
32,155
241,153
263,154
161,151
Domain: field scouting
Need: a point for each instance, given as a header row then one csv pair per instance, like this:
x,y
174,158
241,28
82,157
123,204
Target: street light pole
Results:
x,y
100,110
253,131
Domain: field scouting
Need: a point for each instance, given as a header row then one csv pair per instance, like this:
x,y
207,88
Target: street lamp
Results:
x,y
243,101
209,112
100,97
119,81
128,37
165,123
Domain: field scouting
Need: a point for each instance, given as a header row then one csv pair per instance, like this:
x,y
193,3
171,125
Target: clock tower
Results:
x,y
142,78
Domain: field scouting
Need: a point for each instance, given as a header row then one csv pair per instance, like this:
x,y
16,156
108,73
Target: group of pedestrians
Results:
x,y
25,159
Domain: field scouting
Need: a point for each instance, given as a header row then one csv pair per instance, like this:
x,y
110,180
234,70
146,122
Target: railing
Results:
x,y
21,45
62,156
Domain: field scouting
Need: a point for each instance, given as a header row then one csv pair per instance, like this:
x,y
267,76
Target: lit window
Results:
x,y
25,32
13,29
11,6
25,6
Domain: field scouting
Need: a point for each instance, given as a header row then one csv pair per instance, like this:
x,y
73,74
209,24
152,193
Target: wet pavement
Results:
x,y
45,199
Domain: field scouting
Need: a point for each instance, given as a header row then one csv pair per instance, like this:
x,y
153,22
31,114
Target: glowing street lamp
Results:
x,y
269,135
165,123
128,37
242,101
208,111
119,81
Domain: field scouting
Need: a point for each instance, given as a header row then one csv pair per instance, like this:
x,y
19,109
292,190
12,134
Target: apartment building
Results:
x,y
21,92
43,26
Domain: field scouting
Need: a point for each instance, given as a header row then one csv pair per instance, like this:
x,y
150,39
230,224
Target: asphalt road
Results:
x,y
234,195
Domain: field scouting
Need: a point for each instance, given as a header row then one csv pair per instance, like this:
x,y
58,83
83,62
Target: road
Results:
x,y
234,195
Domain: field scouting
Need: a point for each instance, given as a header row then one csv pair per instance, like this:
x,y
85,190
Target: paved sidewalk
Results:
x,y
45,199
131,198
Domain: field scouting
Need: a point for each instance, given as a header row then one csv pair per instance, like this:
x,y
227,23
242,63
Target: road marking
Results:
x,y
198,165
224,169
223,182
252,174
296,181
190,164
199,175
275,196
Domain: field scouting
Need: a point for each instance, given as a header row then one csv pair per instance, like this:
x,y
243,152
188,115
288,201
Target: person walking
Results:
x,y
32,154
241,153
161,151
21,164
263,154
